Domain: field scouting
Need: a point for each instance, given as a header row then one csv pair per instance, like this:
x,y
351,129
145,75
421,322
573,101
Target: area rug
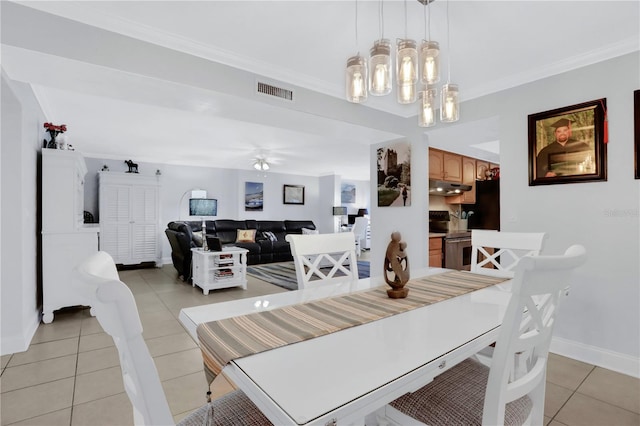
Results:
x,y
284,274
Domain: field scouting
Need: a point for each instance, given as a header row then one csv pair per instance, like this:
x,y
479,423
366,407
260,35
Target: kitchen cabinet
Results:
x,y
435,252
468,178
129,217
66,240
445,166
436,164
481,169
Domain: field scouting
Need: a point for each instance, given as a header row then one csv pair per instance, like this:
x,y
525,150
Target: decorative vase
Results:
x,y
396,264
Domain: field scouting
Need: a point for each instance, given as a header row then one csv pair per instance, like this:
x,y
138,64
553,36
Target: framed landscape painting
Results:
x,y
394,175
293,194
253,196
568,145
347,193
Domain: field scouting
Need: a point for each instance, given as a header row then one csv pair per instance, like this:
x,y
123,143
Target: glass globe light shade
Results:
x,y
380,68
449,105
357,77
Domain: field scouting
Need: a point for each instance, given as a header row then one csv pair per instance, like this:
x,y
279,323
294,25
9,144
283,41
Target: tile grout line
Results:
x,y
75,376
573,392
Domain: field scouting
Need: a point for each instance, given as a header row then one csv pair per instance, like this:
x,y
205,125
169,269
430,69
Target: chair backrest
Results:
x,y
498,253
113,304
526,331
360,227
324,258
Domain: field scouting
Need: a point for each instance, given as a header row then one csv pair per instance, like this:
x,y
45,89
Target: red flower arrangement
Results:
x,y
58,129
54,131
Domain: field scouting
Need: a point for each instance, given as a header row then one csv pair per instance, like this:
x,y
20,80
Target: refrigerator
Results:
x,y
486,210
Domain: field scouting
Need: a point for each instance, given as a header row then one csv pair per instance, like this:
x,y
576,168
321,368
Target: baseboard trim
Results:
x,y
20,343
615,361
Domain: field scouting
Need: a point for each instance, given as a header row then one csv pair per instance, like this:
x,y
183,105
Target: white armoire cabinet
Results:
x,y
66,240
130,217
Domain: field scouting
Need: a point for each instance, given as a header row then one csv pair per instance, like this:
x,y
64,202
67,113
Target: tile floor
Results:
x,y
70,374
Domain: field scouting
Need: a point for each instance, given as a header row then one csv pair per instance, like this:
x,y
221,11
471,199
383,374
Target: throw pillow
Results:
x,y
197,238
246,236
307,231
270,236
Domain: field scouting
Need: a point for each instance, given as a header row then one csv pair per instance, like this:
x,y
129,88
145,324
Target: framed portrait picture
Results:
x,y
567,145
293,194
636,130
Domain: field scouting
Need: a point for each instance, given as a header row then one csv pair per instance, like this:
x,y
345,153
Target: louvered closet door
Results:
x,y
144,215
115,237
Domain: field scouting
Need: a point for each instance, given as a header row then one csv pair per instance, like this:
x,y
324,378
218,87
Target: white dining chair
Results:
x,y
497,253
360,232
113,304
323,258
471,393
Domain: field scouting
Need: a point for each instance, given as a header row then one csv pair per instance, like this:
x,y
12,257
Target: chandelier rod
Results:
x,y
448,47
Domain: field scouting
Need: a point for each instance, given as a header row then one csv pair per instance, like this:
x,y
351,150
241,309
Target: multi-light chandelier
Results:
x,y
411,66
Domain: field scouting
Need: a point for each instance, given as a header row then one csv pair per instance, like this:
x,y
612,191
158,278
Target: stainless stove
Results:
x,y
456,245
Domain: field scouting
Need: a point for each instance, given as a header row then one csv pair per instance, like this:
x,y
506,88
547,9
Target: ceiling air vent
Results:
x,y
278,92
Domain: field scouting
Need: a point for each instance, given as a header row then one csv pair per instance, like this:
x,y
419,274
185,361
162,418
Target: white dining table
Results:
x,y
344,376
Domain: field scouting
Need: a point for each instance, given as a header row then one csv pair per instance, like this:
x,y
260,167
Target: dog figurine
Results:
x,y
133,167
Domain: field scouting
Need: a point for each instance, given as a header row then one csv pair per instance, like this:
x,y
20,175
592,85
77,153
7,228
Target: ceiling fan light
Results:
x,y
357,78
430,62
449,105
380,68
427,112
261,165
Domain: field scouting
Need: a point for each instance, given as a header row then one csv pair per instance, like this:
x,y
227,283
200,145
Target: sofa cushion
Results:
x,y
197,238
227,230
246,236
275,226
295,226
268,235
307,231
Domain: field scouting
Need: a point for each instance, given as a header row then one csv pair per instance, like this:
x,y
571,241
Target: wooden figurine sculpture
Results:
x,y
397,262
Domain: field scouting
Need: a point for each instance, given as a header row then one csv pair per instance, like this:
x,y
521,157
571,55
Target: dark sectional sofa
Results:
x,y
185,235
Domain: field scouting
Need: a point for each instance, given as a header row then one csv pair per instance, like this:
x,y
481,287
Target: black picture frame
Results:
x,y
636,126
293,194
582,158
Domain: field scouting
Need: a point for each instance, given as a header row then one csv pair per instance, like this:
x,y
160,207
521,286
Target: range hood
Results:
x,y
446,189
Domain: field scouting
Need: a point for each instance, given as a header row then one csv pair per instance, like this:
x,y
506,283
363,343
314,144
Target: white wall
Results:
x,y
22,122
600,322
226,185
411,222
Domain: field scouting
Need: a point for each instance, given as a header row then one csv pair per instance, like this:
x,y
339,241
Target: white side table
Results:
x,y
219,269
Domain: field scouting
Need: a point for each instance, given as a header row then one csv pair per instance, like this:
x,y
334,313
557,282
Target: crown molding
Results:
x,y
611,51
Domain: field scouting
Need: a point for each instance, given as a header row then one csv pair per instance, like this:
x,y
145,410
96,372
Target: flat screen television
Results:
x,y
203,207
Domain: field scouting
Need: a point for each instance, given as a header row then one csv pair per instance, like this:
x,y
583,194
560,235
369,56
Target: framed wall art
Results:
x,y
347,193
253,196
568,145
394,175
293,194
636,130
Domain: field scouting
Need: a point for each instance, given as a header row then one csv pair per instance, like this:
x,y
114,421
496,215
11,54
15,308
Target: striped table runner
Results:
x,y
225,340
